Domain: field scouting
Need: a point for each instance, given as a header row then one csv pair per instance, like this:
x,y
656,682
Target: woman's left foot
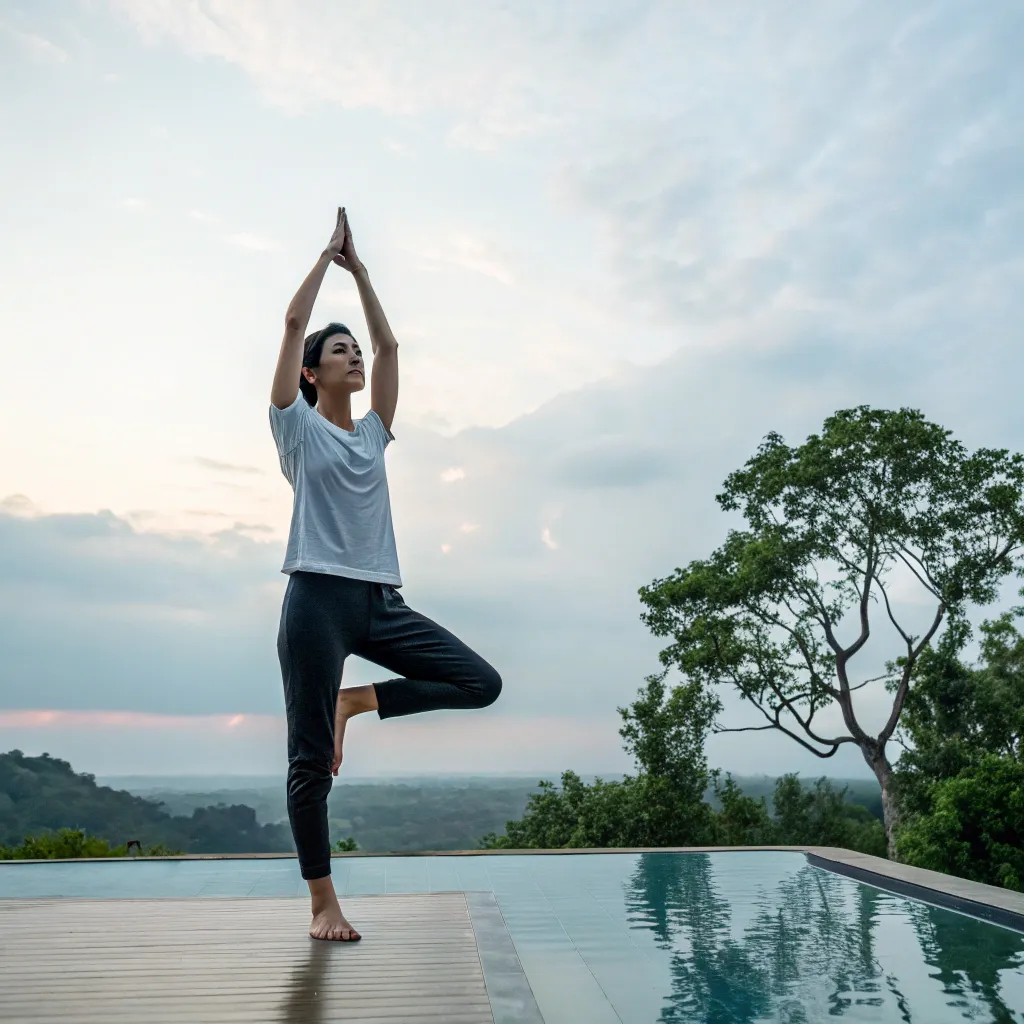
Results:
x,y
330,923
351,701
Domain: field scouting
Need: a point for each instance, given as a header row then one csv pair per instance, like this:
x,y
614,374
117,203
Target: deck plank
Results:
x,y
245,959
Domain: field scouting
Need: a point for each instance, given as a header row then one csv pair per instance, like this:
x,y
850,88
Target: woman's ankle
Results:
x,y
355,700
321,893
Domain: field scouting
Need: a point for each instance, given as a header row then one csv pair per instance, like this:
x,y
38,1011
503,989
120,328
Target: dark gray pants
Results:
x,y
325,619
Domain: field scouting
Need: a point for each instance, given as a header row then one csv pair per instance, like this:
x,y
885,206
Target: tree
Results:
x,y
742,820
961,776
957,714
821,816
67,843
827,522
662,805
975,826
42,795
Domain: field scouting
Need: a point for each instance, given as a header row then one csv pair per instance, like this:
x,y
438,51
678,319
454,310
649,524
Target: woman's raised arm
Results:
x,y
384,374
289,363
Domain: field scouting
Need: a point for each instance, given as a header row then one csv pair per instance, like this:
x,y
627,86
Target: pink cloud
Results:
x,y
129,720
131,742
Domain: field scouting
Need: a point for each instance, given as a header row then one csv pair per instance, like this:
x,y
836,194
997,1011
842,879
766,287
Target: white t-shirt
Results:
x,y
341,517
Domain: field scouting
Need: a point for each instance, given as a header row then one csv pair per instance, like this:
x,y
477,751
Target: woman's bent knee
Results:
x,y
490,687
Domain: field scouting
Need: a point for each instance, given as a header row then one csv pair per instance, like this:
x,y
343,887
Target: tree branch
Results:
x,y
892,618
802,645
901,690
785,704
931,586
792,735
865,595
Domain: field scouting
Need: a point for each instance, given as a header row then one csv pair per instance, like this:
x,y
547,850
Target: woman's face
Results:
x,y
341,365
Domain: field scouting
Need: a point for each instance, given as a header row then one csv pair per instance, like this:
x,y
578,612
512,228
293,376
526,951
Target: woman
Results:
x,y
342,596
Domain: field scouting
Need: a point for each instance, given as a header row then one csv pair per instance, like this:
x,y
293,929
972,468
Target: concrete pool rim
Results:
x,y
989,903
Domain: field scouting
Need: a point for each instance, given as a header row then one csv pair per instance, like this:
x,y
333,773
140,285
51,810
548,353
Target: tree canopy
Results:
x,y
827,524
664,803
44,797
961,776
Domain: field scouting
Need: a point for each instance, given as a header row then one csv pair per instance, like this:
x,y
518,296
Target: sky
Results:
x,y
618,243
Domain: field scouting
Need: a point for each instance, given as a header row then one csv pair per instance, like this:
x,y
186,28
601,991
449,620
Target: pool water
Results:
x,y
658,938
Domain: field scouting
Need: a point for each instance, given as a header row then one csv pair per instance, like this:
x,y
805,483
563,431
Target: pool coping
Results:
x,y
988,902
508,988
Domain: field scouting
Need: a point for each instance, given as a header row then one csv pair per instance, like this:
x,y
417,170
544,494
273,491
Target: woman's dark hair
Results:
x,y
311,353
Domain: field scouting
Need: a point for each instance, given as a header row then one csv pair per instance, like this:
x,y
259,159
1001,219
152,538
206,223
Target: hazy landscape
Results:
x,y
247,814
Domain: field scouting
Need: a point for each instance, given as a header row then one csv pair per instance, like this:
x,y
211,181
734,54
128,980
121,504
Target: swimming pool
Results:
x,y
657,937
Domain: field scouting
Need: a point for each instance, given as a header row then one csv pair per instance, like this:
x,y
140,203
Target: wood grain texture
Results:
x,y
239,960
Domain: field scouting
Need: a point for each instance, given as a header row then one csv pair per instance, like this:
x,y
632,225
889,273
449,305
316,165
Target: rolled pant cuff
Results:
x,y
315,871
386,707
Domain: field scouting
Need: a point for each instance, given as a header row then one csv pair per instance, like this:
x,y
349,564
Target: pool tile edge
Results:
x,y
990,903
508,988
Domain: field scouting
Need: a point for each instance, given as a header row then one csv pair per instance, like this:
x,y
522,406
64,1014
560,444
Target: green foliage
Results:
x,y
664,805
821,816
962,773
826,523
348,845
638,811
975,825
742,820
957,714
665,734
43,795
67,843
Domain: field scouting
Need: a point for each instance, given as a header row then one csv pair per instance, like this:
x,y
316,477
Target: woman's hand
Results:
x,y
340,248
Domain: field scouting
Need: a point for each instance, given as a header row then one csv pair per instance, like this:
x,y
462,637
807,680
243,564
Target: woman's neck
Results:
x,y
336,409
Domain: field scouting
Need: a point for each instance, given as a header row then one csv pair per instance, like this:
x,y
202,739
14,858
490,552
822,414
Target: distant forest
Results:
x,y
40,795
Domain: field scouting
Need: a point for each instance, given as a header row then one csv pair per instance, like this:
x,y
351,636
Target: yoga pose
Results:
x,y
342,596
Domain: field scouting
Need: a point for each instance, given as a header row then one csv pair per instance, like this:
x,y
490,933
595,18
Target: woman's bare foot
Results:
x,y
351,701
328,920
330,923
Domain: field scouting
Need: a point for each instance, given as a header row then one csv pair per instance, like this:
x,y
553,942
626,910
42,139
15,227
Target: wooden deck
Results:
x,y
239,960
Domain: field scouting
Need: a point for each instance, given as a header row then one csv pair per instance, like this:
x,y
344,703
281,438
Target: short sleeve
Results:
x,y
376,431
287,424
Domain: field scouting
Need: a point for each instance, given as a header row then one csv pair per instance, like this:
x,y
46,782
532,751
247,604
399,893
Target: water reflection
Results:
x,y
810,950
305,999
962,964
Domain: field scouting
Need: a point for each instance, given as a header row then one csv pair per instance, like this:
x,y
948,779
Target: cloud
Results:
x,y
857,168
135,203
112,744
40,48
225,467
99,616
887,183
613,462
464,252
247,240
807,208
19,505
400,59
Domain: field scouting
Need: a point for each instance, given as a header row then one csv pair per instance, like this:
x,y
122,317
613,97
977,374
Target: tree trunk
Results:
x,y
892,812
